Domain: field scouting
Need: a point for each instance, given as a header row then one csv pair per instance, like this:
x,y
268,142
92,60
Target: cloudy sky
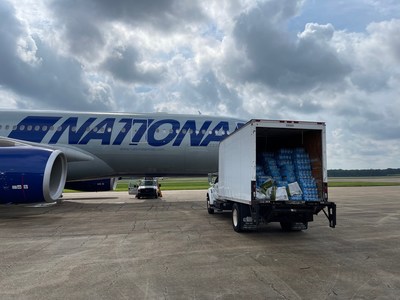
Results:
x,y
319,60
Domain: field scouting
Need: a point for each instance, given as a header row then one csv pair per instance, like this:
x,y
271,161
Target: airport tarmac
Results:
x,y
110,245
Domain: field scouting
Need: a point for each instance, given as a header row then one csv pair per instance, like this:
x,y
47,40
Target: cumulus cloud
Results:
x,y
124,64
51,80
276,59
85,22
284,63
369,103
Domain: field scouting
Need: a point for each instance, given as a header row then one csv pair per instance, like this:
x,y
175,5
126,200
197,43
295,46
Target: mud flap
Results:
x,y
331,215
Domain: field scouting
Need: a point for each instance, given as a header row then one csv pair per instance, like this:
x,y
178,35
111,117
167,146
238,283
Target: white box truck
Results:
x,y
272,171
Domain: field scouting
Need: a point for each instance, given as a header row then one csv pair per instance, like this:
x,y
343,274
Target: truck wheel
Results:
x,y
209,208
237,219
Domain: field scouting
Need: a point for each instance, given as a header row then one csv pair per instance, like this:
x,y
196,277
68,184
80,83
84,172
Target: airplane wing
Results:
x,y
71,153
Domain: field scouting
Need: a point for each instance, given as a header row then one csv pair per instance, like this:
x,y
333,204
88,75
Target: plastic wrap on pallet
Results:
x,y
263,180
281,194
260,195
266,192
294,189
271,193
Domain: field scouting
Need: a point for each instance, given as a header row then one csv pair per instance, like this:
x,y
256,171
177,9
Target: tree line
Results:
x,y
363,172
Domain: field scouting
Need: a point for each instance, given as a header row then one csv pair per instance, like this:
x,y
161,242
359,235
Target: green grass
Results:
x,y
360,183
169,184
201,183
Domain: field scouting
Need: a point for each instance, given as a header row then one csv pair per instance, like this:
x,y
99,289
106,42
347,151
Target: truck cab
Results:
x,y
145,188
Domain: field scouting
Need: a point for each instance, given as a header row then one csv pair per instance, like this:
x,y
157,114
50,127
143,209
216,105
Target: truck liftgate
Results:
x,y
287,212
248,215
292,216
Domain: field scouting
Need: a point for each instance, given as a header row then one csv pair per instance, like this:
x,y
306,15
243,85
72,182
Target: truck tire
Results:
x,y
209,208
237,218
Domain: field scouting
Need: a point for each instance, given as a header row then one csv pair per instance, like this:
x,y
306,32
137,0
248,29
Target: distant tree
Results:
x,y
363,172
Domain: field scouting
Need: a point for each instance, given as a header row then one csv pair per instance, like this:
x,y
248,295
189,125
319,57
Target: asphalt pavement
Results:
x,y
110,245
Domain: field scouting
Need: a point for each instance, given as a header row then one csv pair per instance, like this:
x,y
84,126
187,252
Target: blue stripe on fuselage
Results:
x,y
35,128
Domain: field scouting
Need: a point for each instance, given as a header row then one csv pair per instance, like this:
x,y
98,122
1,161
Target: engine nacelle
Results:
x,y
95,185
31,174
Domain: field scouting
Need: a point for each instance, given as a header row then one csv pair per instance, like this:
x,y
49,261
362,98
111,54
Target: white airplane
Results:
x,y
42,150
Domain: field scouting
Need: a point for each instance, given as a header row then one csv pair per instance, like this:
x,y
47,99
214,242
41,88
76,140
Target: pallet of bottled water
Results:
x,y
290,168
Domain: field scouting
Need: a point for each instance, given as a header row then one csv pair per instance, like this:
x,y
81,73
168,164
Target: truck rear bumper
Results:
x,y
296,212
147,193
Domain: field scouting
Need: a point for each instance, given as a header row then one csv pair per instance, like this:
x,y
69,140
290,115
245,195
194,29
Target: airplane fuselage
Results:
x,y
117,144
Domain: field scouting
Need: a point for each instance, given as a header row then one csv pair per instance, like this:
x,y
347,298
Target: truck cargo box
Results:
x,y
241,155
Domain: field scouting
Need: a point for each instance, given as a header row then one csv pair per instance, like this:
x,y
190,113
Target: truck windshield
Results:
x,y
148,182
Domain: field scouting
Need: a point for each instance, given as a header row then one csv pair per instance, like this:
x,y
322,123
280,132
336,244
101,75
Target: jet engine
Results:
x,y
31,174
